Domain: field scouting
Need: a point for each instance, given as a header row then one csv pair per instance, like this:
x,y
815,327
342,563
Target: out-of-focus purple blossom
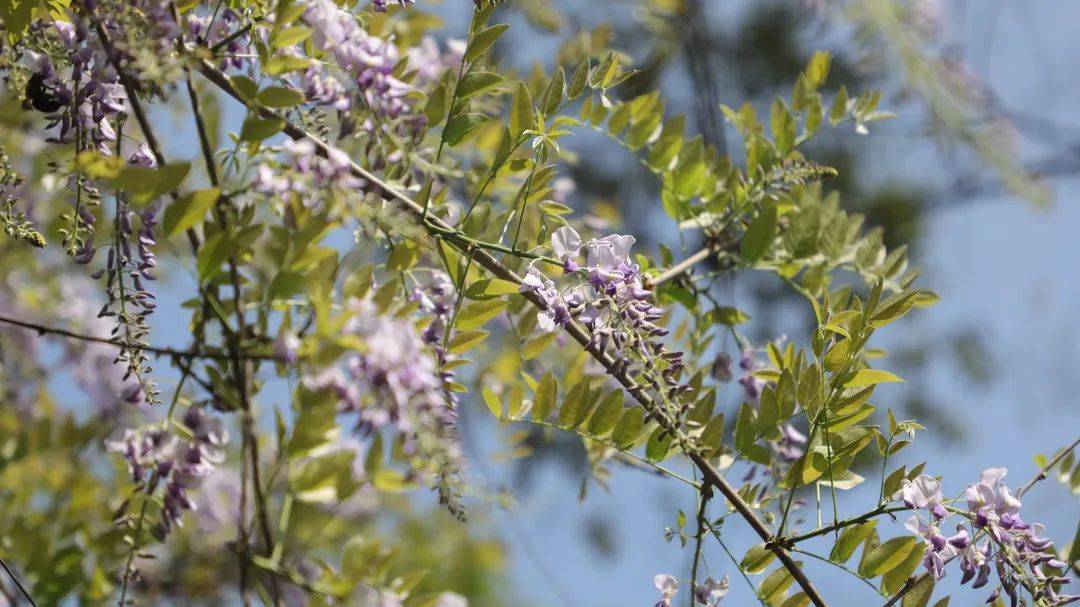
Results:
x,y
209,30
174,464
712,591
143,157
287,347
435,296
323,89
790,447
752,384
430,62
368,59
306,175
721,367
380,5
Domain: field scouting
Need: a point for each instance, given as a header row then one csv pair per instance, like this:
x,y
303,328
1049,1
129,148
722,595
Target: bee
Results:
x,y
41,96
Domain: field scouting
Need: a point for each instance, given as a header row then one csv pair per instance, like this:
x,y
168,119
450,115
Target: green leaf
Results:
x,y
466,340
745,428
798,599
522,116
494,404
775,584
280,96
629,428
483,40
870,377
1074,550
887,556
435,106
726,315
256,129
607,414
659,445
575,407
712,436
553,96
245,86
783,126
188,211
849,540
476,313
760,234
895,578
544,399
535,346
487,288
460,126
817,71
920,594
289,36
277,66
476,82
579,80
757,559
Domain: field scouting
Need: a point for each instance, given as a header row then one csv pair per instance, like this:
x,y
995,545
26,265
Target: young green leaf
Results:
x,y
188,211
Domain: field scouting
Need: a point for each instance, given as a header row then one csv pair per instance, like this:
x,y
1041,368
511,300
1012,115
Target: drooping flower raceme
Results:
x,y
394,384
607,295
153,454
367,59
1014,548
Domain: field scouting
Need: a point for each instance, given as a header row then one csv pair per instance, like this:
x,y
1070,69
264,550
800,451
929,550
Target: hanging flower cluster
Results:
x,y
368,60
83,95
156,456
394,383
609,298
1012,545
308,177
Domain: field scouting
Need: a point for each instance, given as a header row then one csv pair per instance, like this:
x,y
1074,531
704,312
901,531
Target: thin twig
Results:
x,y
711,475
18,584
702,523
117,343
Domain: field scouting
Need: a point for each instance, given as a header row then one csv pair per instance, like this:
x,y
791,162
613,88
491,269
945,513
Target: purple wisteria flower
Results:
x,y
380,5
308,176
791,445
368,60
752,384
939,548
608,297
394,383
712,591
668,587
924,493
993,504
178,465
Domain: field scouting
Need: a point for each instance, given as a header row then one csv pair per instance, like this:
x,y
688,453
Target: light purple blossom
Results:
x,y
924,493
712,591
668,587
380,5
